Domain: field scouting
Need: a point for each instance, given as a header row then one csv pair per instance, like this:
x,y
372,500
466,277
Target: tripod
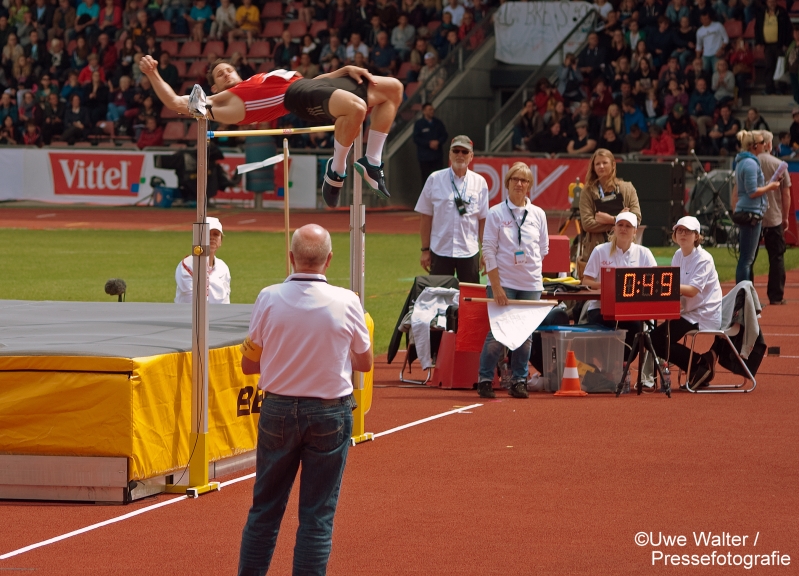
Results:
x,y
721,230
642,344
574,218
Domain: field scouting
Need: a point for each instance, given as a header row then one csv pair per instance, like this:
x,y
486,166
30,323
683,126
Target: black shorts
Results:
x,y
309,99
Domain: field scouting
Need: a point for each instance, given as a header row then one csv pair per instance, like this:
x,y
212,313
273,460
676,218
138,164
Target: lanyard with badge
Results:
x,y
460,202
519,257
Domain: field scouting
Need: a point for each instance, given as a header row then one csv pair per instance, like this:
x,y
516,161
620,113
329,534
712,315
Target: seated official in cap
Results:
x,y
700,304
217,271
620,252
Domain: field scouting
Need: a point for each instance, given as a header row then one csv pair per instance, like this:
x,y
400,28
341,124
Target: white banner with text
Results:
x,y
527,32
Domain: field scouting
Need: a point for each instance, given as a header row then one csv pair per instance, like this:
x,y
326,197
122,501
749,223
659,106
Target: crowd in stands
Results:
x,y
69,69
663,79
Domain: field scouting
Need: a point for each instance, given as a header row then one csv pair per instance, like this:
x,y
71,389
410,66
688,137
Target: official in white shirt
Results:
x,y
305,339
700,304
620,252
453,207
217,271
515,242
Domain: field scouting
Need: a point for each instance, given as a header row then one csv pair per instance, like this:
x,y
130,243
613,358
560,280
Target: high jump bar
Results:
x,y
275,132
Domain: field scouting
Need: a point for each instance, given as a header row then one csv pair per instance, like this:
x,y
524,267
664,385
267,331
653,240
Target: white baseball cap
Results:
x,y
688,222
629,217
214,224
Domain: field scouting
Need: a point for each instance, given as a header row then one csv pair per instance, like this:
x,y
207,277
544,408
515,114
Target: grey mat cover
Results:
x,y
125,330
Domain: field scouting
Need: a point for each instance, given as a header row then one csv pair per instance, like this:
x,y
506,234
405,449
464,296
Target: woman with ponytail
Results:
x,y
751,201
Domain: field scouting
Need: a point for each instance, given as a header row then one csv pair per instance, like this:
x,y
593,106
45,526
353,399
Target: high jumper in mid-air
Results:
x,y
342,97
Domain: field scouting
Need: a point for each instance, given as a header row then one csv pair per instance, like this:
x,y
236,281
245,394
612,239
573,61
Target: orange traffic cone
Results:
x,y
570,385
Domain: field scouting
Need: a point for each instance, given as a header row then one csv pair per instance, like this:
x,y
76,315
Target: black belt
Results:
x,y
323,401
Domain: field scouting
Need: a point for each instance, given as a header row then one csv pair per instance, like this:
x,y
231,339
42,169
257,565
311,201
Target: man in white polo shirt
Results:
x,y
305,339
453,207
217,271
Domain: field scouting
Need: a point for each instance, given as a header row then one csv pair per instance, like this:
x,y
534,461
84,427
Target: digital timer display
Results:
x,y
640,293
646,284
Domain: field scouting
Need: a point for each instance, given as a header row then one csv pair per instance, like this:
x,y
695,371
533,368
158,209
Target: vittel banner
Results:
x,y
96,173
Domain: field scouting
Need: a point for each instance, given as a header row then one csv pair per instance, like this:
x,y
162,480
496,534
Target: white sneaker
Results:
x,y
197,102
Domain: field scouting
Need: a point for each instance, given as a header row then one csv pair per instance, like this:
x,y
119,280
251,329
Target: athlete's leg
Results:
x,y
350,113
385,98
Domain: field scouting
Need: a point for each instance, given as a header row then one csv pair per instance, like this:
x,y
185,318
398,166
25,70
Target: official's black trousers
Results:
x,y
774,240
466,269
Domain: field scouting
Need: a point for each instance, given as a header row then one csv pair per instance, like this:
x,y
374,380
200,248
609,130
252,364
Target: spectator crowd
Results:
x,y
69,70
663,79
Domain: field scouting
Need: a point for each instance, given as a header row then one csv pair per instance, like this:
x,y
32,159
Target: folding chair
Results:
x,y
741,298
419,284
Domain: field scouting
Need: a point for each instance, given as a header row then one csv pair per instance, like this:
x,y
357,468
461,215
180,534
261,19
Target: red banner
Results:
x,y
96,174
551,179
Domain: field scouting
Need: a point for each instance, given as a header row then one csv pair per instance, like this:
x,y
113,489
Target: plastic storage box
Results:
x,y
600,357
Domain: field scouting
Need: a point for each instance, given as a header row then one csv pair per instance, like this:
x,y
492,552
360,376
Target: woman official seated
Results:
x,y
515,241
620,252
700,304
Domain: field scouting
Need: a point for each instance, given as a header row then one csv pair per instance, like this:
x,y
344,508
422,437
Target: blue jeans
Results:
x,y
290,431
709,63
748,240
493,350
115,112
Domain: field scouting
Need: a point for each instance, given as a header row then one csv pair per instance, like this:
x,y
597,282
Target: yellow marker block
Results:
x,y
363,396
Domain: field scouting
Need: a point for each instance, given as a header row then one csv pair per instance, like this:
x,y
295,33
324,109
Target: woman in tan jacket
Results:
x,y
600,186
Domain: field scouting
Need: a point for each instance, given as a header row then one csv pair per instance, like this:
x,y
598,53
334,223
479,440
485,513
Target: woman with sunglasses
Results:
x,y
751,203
515,242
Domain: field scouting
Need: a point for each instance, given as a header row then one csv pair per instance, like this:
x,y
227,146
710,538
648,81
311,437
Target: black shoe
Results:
x,y
700,375
373,177
778,302
518,389
331,186
486,389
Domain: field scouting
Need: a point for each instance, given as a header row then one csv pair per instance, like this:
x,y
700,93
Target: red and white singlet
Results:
x,y
263,95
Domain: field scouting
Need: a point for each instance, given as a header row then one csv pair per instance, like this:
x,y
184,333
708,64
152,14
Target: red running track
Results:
x,y
543,486
556,486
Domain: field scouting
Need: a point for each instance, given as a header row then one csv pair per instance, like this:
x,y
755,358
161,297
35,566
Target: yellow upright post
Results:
x,y
198,439
362,383
363,396
286,202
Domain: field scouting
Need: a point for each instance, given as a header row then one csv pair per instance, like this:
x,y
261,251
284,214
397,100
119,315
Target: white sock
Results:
x,y
374,147
340,152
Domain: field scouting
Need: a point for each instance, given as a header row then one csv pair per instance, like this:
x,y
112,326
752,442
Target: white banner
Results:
x,y
119,177
11,174
527,32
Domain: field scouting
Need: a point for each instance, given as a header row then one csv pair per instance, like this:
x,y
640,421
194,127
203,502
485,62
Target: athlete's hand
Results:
x,y
360,74
148,64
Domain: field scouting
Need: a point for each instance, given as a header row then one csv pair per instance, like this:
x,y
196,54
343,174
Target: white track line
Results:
x,y
239,479
92,527
423,420
181,498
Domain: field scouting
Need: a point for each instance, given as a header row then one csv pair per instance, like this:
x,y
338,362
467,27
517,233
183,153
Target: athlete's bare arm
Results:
x,y
225,107
180,104
354,72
